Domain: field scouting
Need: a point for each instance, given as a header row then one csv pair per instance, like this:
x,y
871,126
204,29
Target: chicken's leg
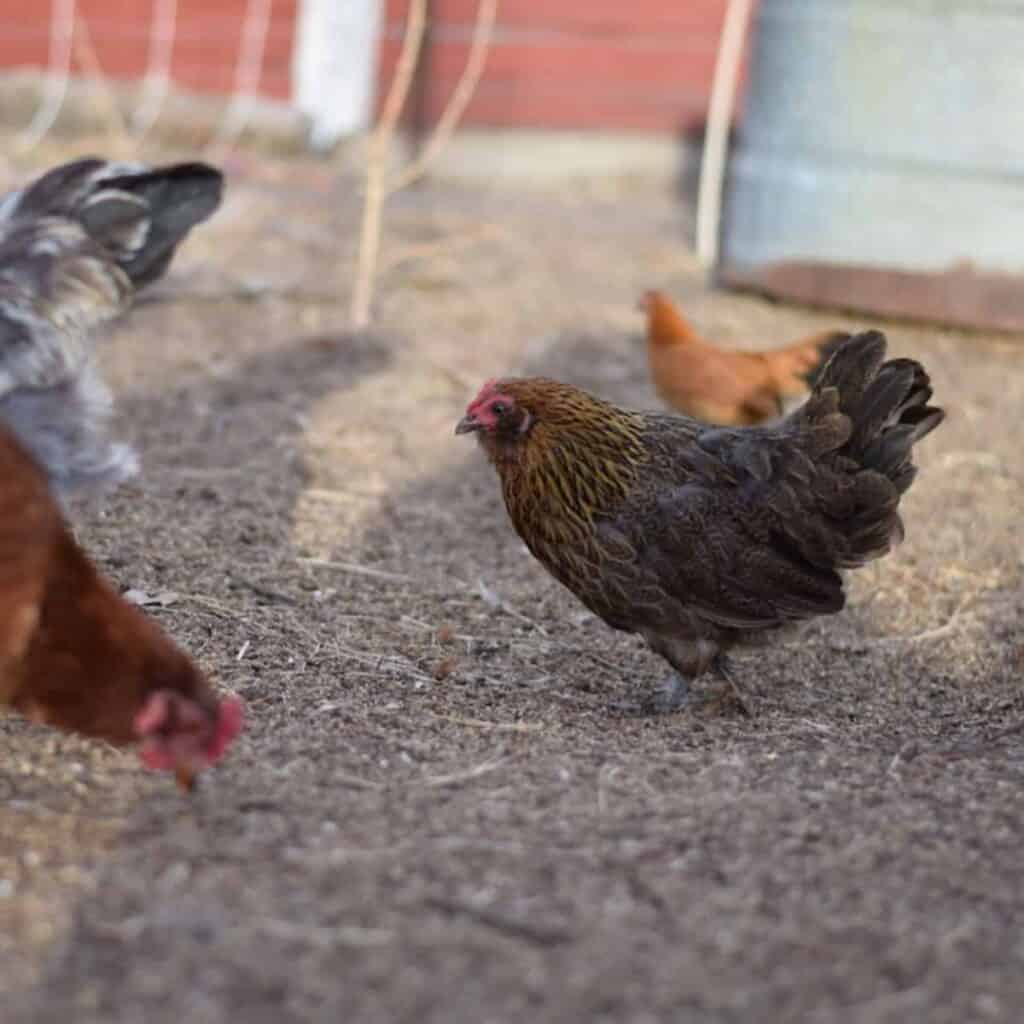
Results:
x,y
673,695
723,668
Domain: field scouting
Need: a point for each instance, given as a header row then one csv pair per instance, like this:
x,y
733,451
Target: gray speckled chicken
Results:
x,y
74,246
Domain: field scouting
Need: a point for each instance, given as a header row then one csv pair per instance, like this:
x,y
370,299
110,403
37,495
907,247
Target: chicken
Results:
x,y
75,655
74,245
137,214
738,389
699,538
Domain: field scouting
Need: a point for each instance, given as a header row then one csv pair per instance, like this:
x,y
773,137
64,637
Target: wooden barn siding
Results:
x,y
616,65
205,47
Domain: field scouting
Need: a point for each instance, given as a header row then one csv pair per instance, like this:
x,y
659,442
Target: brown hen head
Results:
x,y
563,455
98,666
665,324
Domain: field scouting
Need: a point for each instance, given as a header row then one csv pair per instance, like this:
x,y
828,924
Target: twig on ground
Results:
x,y
356,570
268,592
456,777
215,606
536,934
949,625
477,723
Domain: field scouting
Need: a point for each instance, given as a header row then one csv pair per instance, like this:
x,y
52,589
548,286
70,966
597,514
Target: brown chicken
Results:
x,y
696,537
736,389
75,655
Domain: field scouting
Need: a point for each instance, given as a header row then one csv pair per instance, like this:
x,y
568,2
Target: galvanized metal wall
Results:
x,y
882,133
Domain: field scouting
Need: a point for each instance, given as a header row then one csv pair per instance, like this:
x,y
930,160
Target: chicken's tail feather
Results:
x,y
141,217
870,414
886,403
795,369
137,214
825,345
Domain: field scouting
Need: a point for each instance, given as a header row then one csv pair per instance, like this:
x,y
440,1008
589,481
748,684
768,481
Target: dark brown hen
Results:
x,y
696,537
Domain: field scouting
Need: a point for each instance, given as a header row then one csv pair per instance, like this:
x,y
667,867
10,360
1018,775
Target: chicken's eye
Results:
x,y
498,409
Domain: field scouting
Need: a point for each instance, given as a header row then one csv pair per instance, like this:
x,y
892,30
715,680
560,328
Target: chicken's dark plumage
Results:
x,y
696,537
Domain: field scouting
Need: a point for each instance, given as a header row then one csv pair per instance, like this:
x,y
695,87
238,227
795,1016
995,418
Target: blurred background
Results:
x,y
872,156
570,65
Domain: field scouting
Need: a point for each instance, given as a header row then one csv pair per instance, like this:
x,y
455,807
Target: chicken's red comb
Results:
x,y
483,394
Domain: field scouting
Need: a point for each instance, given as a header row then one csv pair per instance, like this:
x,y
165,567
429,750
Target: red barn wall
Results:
x,y
208,33
614,65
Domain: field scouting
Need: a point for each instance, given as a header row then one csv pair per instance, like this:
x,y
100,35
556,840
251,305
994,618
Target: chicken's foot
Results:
x,y
673,694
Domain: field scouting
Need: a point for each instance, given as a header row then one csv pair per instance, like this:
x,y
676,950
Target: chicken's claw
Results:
x,y
672,695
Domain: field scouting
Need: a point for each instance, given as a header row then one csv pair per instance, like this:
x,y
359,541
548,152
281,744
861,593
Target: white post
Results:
x,y
334,66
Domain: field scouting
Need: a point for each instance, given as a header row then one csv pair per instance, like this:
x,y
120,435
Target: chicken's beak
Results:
x,y
468,424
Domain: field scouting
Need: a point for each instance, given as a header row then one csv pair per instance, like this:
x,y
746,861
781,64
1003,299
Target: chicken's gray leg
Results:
x,y
673,695
723,668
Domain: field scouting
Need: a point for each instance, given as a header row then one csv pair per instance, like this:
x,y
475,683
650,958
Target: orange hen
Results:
x,y
739,389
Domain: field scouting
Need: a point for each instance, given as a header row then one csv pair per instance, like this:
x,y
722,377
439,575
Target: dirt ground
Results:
x,y
435,815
